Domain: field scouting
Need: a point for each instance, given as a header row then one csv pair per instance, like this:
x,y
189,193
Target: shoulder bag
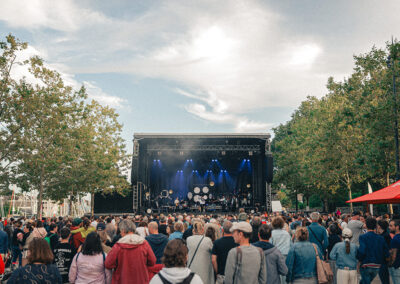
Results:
x,y
324,271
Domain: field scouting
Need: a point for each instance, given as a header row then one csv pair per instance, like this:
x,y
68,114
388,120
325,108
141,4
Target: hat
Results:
x,y
101,227
241,226
76,221
347,233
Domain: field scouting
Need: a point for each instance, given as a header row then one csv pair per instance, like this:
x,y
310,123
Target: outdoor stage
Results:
x,y
215,172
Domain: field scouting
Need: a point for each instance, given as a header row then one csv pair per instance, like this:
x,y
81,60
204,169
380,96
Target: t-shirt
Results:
x,y
356,227
221,249
395,244
63,256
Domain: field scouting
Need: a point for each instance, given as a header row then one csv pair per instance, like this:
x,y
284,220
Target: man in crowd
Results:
x,y
245,263
162,228
157,241
64,253
52,237
356,227
130,257
317,233
372,253
15,242
3,244
274,260
395,251
220,251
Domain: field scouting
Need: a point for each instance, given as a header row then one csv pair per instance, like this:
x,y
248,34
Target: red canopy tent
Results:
x,y
387,195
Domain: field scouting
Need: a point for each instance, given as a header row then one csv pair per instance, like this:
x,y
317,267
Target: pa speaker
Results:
x,y
269,168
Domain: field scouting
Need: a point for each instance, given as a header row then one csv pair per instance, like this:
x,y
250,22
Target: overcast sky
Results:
x,y
201,66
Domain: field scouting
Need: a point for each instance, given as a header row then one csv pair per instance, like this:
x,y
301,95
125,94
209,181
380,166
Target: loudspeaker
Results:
x,y
269,167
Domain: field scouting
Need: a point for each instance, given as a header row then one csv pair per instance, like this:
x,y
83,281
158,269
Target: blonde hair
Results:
x,y
198,228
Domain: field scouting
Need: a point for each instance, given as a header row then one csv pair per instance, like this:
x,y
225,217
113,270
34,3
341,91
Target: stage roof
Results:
x,y
201,135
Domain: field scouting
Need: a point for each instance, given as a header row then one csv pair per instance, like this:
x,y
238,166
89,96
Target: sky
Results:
x,y
200,66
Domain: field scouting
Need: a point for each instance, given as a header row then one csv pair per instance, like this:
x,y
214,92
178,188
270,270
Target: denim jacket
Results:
x,y
301,261
343,259
281,239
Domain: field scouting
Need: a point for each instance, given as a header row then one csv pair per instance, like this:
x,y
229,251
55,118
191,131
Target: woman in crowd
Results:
x,y
345,255
39,268
281,238
175,270
301,259
200,248
85,230
210,232
178,231
39,231
142,229
88,265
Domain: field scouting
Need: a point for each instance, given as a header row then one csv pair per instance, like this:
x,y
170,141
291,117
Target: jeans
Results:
x,y
16,253
395,273
384,274
368,274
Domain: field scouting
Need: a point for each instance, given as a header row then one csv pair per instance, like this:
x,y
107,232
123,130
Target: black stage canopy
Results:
x,y
192,168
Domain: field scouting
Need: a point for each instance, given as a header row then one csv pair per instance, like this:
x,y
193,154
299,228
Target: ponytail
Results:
x,y
347,243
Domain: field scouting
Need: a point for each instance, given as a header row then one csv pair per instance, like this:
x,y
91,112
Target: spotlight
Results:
x,y
248,160
187,160
248,185
154,161
191,160
158,160
225,171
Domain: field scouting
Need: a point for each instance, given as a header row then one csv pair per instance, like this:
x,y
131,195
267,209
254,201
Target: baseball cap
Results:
x,y
241,226
101,227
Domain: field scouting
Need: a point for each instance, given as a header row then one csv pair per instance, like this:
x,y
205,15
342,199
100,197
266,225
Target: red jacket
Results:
x,y
130,257
77,238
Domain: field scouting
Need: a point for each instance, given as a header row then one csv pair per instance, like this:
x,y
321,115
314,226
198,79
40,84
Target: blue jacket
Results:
x,y
373,249
175,235
157,243
322,236
301,261
343,259
3,242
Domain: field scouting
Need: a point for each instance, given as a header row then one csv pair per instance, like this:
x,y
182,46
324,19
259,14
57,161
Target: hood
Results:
x,y
175,274
130,241
156,239
269,251
264,245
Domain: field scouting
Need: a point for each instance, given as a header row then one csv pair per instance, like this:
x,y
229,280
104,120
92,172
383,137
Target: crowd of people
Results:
x,y
187,248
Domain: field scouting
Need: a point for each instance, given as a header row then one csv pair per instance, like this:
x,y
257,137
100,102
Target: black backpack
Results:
x,y
187,280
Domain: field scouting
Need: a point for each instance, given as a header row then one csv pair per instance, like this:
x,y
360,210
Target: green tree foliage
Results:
x,y
337,143
52,139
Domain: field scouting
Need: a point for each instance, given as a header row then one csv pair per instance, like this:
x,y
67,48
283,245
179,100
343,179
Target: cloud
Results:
x,y
96,93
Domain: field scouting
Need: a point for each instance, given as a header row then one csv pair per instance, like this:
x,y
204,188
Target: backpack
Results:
x,y
48,238
187,280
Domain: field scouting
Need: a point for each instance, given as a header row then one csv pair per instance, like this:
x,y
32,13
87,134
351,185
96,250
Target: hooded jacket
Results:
x,y
175,275
157,243
274,260
130,257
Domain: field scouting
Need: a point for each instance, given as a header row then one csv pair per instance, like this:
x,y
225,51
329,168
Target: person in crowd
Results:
x,y
356,227
162,228
52,237
274,260
175,270
383,230
220,250
85,230
343,221
372,252
77,237
297,221
189,231
334,237
255,224
63,254
104,238
88,266
200,248
17,237
210,233
157,241
130,256
242,215
110,228
344,253
27,238
142,229
395,251
178,231
39,230
317,233
281,239
304,252
39,268
245,263
3,243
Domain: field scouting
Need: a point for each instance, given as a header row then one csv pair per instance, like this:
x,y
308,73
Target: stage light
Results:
x,y
212,183
158,160
154,161
248,185
187,160
191,160
250,153
248,160
225,171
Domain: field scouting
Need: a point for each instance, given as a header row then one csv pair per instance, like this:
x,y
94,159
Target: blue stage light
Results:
x,y
225,171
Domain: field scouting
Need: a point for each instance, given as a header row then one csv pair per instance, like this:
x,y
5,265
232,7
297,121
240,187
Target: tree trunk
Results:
x,y
40,199
92,204
326,205
350,197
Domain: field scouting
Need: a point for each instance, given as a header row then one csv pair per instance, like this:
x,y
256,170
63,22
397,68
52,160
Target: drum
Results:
x,y
205,189
205,197
190,195
196,198
196,190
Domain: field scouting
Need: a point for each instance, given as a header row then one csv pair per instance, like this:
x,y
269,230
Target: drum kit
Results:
x,y
199,193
